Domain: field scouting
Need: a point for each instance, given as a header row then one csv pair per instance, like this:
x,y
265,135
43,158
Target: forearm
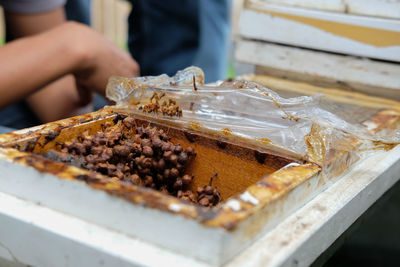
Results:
x,y
30,63
58,100
23,25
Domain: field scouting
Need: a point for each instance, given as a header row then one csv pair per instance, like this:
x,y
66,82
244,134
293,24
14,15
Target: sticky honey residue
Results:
x,y
324,147
227,131
273,100
380,145
316,144
264,141
194,125
290,117
129,85
113,186
276,103
382,120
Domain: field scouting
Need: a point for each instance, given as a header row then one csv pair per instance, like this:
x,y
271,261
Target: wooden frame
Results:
x,y
222,231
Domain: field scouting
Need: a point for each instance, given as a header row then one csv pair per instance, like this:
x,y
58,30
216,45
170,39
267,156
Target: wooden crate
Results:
x,y
321,42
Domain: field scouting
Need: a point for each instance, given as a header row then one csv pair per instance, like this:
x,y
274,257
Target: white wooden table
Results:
x,y
36,235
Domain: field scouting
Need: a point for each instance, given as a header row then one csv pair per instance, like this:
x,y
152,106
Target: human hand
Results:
x,y
100,59
33,62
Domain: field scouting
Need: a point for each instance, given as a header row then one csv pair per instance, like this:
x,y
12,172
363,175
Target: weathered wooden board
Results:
x,y
327,5
327,31
298,240
247,213
335,94
373,8
110,18
363,75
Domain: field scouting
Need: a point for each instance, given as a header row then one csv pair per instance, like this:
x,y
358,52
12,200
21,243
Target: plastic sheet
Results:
x,y
305,126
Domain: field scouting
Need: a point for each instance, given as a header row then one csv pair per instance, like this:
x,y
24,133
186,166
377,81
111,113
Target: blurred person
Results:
x,y
78,10
169,35
51,67
166,36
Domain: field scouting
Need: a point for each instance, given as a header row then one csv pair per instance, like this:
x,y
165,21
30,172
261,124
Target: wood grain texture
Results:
x,y
334,94
373,8
327,31
336,71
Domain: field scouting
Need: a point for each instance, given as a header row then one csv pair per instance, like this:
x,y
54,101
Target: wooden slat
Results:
x,y
97,15
110,18
335,94
367,76
237,7
373,8
2,26
327,5
327,31
123,9
301,238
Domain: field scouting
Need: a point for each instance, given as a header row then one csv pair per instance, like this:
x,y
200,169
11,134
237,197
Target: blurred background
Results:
x,y
107,16
350,45
110,17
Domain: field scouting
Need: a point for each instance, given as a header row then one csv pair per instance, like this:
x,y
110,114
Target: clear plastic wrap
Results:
x,y
303,126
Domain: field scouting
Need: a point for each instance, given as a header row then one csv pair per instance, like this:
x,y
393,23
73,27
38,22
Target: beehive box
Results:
x,y
259,187
342,44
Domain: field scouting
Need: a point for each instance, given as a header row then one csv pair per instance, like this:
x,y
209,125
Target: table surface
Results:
x,y
36,235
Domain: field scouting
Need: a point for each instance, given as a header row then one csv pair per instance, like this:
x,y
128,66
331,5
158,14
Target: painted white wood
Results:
x,y
39,236
80,200
122,10
298,240
378,23
301,238
262,26
237,7
368,76
213,245
374,8
110,18
328,5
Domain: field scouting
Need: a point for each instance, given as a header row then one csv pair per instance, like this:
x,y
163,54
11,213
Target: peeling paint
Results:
x,y
241,207
174,207
247,197
233,204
